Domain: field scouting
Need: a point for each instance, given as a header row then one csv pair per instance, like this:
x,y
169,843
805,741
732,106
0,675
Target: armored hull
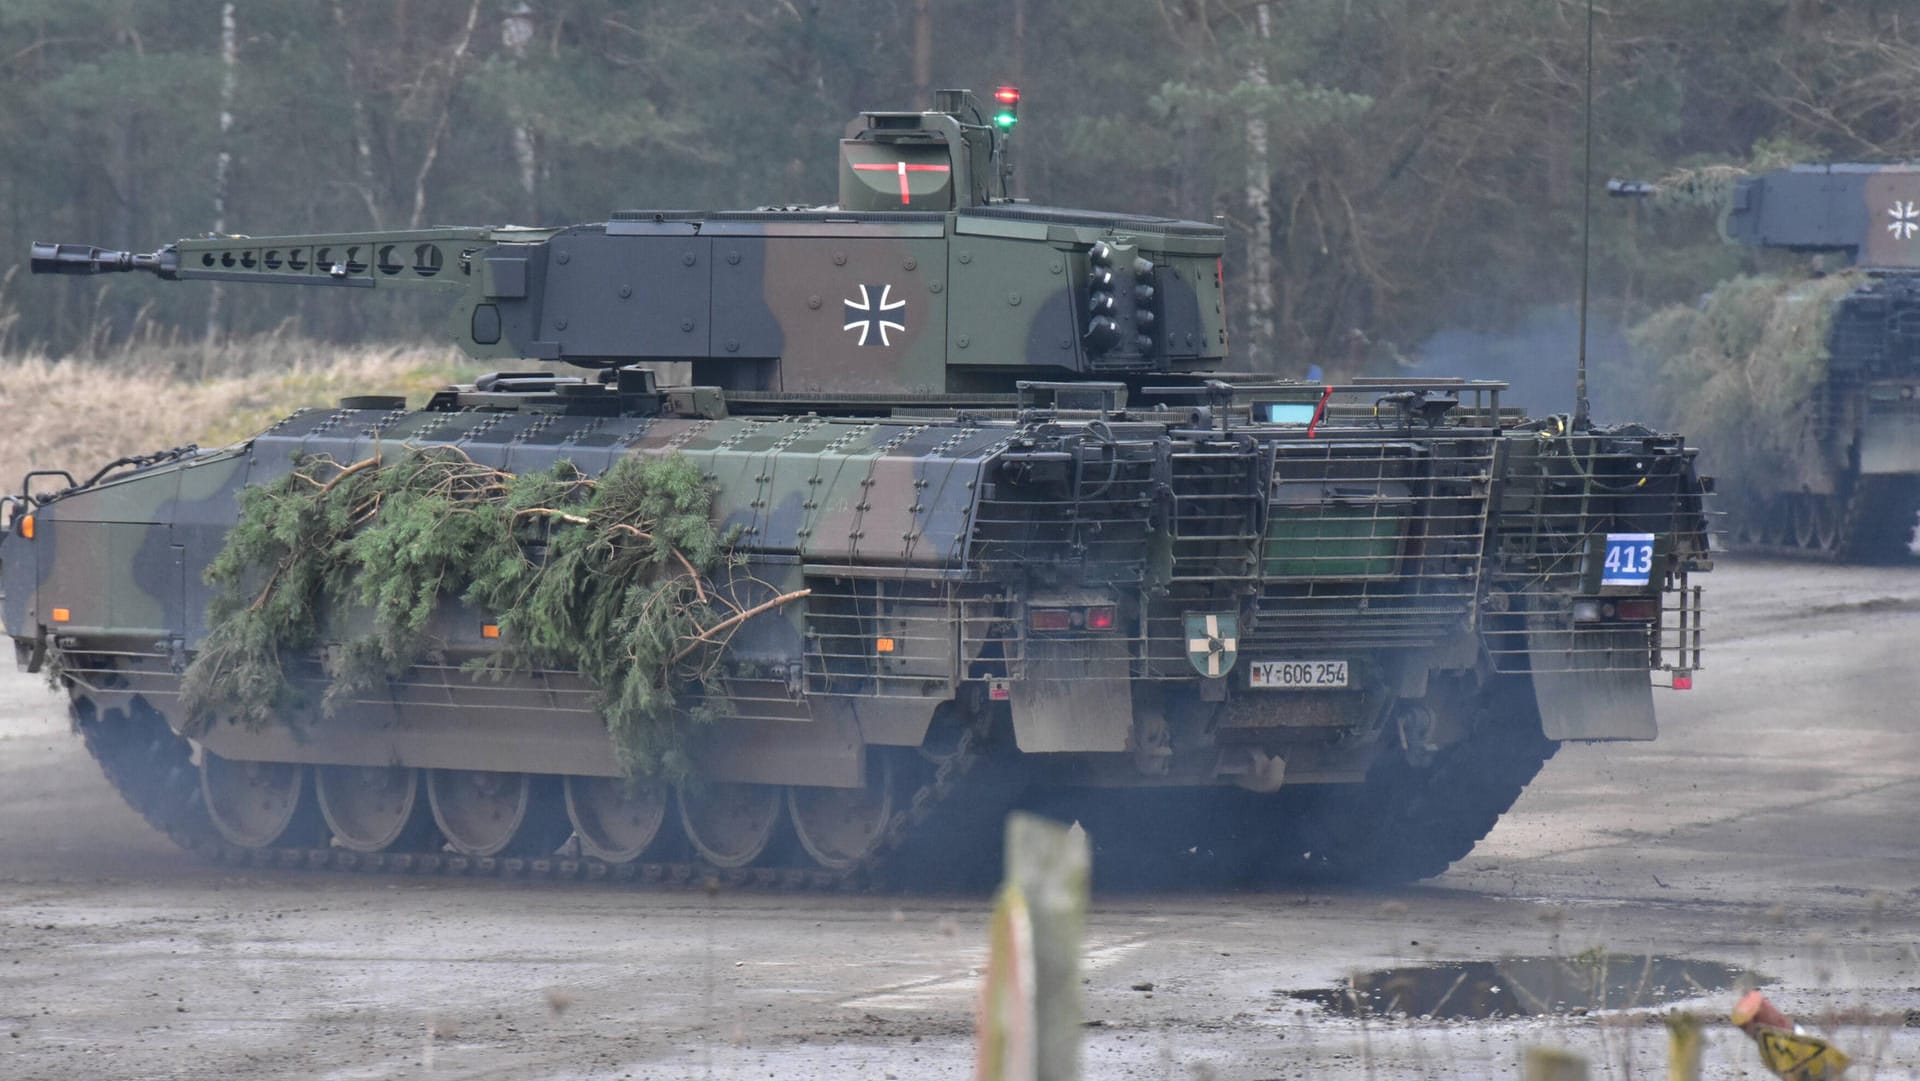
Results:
x,y
1356,604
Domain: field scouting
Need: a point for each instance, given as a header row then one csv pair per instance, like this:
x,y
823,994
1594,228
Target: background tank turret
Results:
x,y
1834,423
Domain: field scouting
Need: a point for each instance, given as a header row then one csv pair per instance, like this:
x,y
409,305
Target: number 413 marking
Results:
x,y
1629,559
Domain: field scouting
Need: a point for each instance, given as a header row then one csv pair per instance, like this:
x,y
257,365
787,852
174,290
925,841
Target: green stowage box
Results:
x,y
1334,542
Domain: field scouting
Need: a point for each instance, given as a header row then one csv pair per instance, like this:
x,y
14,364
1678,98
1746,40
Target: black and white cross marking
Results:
x,y
1906,219
869,314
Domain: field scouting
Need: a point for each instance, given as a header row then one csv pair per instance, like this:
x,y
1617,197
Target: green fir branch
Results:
x,y
610,576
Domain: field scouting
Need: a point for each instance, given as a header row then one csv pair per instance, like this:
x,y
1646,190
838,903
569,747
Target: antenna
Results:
x,y
1581,407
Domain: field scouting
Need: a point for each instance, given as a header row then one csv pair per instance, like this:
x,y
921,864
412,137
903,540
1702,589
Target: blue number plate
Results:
x,y
1629,559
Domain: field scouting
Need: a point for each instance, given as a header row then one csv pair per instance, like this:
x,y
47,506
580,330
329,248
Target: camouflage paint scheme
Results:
x,y
949,530
987,292
998,455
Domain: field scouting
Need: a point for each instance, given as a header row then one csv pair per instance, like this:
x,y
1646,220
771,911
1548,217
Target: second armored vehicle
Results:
x,y
1828,383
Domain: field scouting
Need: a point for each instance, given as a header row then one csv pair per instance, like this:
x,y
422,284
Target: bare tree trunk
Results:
x,y
1260,331
229,84
516,30
439,136
922,53
362,130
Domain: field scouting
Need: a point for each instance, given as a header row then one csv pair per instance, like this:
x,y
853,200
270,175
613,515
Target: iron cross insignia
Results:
x,y
1906,219
1213,642
868,315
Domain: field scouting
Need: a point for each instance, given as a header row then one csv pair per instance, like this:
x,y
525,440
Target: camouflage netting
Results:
x,y
1709,187
1742,375
611,576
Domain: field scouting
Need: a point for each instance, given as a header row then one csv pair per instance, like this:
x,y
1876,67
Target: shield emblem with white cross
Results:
x,y
1213,642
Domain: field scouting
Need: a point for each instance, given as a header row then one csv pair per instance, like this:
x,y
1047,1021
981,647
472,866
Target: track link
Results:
x,y
1877,516
1405,823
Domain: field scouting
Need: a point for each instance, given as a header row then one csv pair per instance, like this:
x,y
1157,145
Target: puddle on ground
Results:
x,y
1527,986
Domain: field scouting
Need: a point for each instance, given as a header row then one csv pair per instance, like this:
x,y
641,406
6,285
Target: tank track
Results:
x,y
1400,825
1876,522
152,769
1405,823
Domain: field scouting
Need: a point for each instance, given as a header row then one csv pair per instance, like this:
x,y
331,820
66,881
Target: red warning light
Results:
x,y
1682,683
1007,95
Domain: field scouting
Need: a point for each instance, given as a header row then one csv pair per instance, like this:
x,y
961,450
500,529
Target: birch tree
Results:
x,y
223,160
1259,325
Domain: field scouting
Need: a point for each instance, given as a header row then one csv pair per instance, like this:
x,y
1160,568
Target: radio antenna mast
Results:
x,y
1582,409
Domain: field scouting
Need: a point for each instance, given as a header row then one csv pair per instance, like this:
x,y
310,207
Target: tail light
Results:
x,y
1629,609
1098,617
1050,619
1639,609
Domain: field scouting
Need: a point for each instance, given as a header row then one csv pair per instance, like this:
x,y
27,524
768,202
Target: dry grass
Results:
x,y
78,413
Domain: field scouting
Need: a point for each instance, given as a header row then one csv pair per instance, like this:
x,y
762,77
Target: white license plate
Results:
x,y
1297,675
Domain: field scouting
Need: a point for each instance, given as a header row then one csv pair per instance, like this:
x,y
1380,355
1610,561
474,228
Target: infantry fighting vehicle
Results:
x,y
1855,491
1034,520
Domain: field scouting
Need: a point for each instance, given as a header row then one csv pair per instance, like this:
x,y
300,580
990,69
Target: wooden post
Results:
x,y
1554,1064
1683,1046
1030,1002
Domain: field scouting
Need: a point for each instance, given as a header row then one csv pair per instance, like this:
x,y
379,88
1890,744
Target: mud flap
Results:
x,y
1603,693
1077,696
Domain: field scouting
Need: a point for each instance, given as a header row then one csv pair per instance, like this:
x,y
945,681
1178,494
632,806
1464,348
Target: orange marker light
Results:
x,y
26,527
61,615
489,630
883,645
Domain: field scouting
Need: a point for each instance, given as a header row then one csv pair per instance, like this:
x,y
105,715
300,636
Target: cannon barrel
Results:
x,y
85,259
1632,189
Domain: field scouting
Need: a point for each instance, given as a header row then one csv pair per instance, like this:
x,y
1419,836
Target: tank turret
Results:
x,y
926,279
1867,214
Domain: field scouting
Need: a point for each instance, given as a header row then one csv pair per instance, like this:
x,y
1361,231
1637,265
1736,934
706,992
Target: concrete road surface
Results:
x,y
1773,829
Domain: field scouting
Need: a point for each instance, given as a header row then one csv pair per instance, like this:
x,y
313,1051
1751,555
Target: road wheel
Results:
x,y
373,808
616,819
730,825
1806,521
840,827
495,813
1828,511
258,804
